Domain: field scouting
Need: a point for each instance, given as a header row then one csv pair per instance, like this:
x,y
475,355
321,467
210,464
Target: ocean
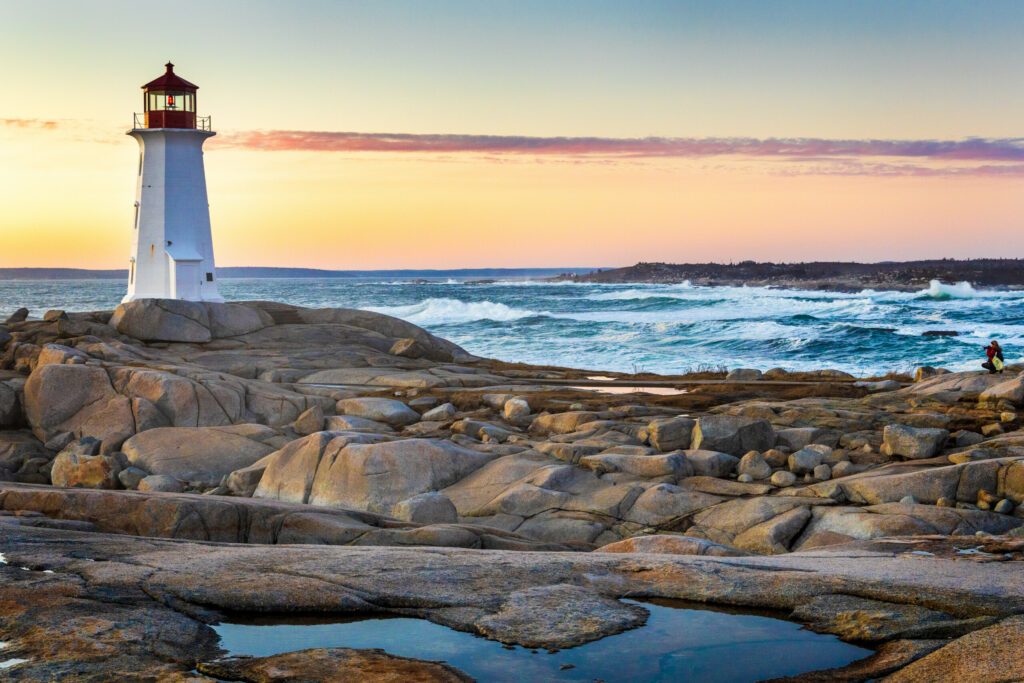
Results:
x,y
639,328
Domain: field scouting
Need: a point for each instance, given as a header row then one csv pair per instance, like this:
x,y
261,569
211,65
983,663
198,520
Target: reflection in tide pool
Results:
x,y
677,644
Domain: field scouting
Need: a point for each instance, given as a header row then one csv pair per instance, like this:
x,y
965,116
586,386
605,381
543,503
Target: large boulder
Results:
x,y
561,423
666,504
172,320
1012,390
426,508
386,410
10,407
707,463
335,471
168,399
670,433
434,348
197,454
644,466
167,320
795,438
732,434
914,443
234,320
77,399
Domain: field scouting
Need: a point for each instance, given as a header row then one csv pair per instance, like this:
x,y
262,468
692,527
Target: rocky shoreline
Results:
x,y
168,463
847,277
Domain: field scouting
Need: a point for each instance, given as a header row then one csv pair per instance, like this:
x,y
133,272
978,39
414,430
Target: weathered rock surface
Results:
x,y
386,410
200,454
540,599
732,434
913,443
338,472
333,665
661,544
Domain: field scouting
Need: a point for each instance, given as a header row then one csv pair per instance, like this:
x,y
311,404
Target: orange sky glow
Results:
x,y
666,150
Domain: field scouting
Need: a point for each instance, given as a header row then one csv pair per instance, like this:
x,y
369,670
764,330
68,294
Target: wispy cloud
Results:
x,y
969,149
29,123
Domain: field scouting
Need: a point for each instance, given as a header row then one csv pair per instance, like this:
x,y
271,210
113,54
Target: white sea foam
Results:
x,y
449,311
941,290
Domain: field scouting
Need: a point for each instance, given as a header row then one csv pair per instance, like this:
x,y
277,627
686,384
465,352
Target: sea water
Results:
x,y
636,327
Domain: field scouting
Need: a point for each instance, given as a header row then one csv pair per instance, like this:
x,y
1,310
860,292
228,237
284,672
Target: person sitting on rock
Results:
x,y
995,362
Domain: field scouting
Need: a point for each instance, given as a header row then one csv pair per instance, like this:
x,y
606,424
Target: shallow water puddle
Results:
x,y
660,391
677,643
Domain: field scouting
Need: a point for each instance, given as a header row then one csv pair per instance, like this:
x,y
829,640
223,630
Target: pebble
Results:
x,y
908,500
745,478
1004,507
782,479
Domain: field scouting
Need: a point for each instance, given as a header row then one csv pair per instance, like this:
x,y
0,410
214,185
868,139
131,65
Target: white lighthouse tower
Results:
x,y
172,248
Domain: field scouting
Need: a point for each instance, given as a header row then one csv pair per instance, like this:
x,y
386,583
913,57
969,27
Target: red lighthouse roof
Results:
x,y
170,81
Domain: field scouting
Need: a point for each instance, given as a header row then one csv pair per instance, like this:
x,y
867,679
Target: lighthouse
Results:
x,y
172,246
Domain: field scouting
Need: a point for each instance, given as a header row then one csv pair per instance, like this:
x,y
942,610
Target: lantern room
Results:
x,y
169,101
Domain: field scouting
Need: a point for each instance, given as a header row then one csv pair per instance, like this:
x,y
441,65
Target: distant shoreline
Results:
x,y
905,276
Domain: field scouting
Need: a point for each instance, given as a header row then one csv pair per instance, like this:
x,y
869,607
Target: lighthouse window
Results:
x,y
171,101
209,277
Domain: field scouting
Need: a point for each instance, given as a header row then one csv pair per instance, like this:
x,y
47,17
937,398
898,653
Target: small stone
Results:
x,y
782,479
423,403
944,503
131,476
745,478
577,406
161,483
517,410
775,457
754,465
908,500
1007,416
822,472
984,505
807,458
442,413
1004,507
988,497
993,429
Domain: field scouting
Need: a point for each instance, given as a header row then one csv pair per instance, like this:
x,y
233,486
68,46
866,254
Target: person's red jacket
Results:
x,y
990,352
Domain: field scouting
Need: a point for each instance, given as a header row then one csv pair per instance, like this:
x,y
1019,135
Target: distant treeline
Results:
x,y
261,272
988,272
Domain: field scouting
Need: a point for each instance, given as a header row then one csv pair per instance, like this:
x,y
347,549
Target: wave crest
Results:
x,y
448,311
942,291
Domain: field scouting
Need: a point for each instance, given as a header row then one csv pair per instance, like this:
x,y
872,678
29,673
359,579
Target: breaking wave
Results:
x,y
942,291
451,311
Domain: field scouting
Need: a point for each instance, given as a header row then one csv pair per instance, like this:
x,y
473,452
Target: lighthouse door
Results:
x,y
186,280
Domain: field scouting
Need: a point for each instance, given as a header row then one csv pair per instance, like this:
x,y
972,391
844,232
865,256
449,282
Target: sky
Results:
x,y
511,134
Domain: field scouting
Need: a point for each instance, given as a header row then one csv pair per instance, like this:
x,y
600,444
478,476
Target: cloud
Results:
x,y
29,123
969,149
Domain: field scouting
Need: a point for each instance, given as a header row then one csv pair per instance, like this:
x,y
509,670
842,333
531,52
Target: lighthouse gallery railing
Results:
x,y
139,122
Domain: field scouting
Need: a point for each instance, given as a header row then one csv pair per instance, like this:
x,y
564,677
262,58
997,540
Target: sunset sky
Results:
x,y
470,134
